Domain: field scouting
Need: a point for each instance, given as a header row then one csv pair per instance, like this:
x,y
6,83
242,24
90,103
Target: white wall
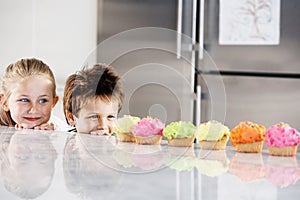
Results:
x,y
62,33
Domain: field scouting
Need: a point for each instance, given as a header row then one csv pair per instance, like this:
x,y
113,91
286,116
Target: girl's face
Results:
x,y
31,101
96,116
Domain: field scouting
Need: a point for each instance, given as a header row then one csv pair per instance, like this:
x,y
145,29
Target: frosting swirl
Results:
x,y
282,134
212,131
247,132
179,129
147,127
124,124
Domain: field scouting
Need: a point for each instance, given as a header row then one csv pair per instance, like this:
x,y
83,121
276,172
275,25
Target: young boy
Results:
x,y
92,99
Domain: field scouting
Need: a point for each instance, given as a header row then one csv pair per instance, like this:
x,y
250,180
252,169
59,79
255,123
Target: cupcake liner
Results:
x,y
254,147
153,139
214,145
125,137
181,142
283,151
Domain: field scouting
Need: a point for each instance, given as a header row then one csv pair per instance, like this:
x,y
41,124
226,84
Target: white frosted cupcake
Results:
x,y
212,135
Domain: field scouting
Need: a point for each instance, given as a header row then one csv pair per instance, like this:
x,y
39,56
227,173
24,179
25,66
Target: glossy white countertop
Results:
x,y
59,165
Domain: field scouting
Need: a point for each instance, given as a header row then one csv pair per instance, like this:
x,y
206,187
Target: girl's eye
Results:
x,y
43,101
24,100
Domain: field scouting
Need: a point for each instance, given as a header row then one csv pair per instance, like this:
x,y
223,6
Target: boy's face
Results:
x,y
97,117
31,101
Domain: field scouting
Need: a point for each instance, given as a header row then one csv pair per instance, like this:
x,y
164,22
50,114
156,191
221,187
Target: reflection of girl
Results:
x,y
84,174
27,163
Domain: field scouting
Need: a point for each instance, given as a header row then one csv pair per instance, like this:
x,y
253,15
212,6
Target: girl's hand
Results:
x,y
45,126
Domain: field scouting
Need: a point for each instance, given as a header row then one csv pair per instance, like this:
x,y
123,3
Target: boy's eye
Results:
x,y
111,117
24,100
93,117
43,101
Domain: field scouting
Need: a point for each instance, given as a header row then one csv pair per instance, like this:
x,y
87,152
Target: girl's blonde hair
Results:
x,y
16,72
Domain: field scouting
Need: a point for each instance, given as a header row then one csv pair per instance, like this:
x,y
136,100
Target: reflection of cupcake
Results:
x,y
213,135
212,163
123,128
147,157
181,134
148,131
123,158
282,140
180,159
282,171
122,154
248,137
247,167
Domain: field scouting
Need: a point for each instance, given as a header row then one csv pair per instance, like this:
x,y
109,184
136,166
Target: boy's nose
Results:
x,y
101,122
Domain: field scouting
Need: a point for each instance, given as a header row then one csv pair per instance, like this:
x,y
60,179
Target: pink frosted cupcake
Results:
x,y
282,140
148,131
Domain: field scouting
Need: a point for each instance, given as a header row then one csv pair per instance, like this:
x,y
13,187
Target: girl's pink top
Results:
x,y
281,135
147,127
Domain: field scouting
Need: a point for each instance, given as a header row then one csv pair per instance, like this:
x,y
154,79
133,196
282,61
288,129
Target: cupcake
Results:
x,y
212,135
282,140
123,128
148,131
181,134
248,137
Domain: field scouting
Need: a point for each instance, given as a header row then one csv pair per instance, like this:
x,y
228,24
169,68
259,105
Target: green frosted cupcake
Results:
x,y
180,134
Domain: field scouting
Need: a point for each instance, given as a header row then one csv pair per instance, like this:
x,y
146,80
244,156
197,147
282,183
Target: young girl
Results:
x,y
28,95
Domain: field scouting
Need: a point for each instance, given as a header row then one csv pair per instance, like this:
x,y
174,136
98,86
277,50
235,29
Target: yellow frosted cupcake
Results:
x,y
123,128
180,134
212,135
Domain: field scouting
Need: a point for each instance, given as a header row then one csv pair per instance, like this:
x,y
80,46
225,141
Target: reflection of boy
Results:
x,y
85,175
27,163
92,99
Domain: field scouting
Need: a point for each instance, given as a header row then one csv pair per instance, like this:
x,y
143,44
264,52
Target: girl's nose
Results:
x,y
33,108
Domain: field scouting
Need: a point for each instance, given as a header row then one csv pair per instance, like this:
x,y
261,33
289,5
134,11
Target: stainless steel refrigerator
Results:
x,y
238,82
155,63
259,82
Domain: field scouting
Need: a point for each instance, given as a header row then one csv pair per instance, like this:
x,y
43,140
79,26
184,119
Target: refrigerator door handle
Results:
x,y
179,27
201,29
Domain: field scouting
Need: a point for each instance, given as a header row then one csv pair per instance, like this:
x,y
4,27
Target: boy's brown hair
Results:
x,y
100,81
